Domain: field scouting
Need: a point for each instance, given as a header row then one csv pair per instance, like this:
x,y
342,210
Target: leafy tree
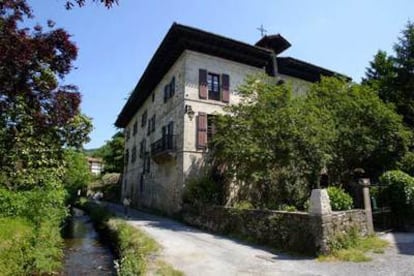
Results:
x,y
275,145
393,76
37,115
77,174
113,153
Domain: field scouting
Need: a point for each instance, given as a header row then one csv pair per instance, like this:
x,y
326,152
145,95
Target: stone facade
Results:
x,y
298,232
162,148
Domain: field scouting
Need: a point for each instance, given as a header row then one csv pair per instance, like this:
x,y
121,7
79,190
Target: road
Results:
x,y
195,252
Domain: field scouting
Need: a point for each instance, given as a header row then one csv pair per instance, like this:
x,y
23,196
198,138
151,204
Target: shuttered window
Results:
x,y
201,130
213,86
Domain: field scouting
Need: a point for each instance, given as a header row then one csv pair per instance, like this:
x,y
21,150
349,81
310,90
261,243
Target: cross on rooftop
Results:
x,y
262,30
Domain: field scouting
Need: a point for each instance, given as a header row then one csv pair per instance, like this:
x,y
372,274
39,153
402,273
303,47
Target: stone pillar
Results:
x,y
365,183
320,212
319,202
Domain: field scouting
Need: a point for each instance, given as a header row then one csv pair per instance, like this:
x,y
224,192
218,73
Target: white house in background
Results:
x,y
167,118
95,165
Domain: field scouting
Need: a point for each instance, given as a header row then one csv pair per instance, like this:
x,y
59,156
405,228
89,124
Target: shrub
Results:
x,y
400,191
201,190
340,200
243,205
15,244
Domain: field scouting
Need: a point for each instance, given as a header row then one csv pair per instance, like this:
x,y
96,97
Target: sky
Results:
x,y
115,45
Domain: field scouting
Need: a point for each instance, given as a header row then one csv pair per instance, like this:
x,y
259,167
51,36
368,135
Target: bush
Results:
x,y
340,200
15,244
201,190
400,191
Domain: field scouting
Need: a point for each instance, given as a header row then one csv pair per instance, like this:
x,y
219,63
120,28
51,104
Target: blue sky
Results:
x,y
116,45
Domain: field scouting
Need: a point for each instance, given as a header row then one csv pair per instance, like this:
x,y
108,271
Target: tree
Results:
x,y
274,145
37,115
71,3
77,174
393,76
113,153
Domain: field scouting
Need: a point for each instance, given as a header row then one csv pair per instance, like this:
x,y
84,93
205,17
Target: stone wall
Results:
x,y
291,231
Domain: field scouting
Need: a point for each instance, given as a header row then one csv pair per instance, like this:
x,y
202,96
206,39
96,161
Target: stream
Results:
x,y
85,254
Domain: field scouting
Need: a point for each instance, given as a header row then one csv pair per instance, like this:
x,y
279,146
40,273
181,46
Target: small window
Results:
x,y
142,148
153,123
134,154
211,127
126,157
135,128
213,83
127,133
144,119
169,90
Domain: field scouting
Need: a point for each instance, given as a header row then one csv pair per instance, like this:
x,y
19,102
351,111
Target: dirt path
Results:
x,y
199,253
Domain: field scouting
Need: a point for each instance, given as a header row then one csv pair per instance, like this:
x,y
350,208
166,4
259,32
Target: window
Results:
x,y
169,90
127,133
147,163
205,129
134,154
126,157
144,119
153,123
134,132
149,126
213,84
142,148
211,127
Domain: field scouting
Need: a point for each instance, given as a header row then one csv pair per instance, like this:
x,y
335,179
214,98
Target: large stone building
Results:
x,y
192,75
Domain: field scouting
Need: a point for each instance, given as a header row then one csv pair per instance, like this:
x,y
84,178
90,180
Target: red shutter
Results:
x,y
202,83
225,88
201,130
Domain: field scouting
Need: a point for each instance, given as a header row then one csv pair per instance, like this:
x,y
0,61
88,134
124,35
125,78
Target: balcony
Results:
x,y
164,149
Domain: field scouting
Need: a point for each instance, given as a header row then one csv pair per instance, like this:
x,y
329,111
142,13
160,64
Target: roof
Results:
x,y
275,42
303,70
180,38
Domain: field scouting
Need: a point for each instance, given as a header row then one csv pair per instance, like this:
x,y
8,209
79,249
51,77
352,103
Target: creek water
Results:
x,y
85,254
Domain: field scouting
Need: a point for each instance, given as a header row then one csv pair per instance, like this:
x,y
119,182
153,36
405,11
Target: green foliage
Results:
x,y
400,191
243,205
352,247
112,153
15,245
406,164
77,174
274,145
392,76
340,200
202,189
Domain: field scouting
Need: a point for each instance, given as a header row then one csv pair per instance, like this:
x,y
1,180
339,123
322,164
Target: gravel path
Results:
x,y
199,253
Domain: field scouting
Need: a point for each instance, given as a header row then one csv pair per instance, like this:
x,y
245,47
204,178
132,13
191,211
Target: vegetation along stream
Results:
x,y
85,254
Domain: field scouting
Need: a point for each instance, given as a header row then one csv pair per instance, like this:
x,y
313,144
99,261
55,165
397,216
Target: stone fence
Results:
x,y
299,232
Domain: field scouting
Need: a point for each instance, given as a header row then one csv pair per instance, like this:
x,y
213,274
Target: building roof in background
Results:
x,y
180,38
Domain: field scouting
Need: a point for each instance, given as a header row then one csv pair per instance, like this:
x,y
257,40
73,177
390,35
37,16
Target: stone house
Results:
x,y
167,119
95,165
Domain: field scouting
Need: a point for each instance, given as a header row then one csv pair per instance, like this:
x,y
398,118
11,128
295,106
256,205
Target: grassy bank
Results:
x,y
352,247
136,251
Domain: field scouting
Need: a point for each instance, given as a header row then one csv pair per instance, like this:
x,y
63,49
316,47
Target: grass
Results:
x,y
354,248
135,249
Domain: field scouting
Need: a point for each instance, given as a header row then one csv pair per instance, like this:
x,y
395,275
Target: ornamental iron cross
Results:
x,y
262,30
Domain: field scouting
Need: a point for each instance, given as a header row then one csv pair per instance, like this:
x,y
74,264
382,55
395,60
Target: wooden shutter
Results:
x,y
201,130
225,88
202,84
